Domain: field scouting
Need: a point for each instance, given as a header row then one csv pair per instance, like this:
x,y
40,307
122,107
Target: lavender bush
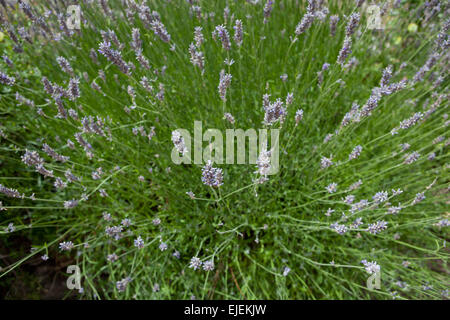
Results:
x,y
89,118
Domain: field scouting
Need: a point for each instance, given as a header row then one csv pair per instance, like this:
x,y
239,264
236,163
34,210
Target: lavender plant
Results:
x,y
89,118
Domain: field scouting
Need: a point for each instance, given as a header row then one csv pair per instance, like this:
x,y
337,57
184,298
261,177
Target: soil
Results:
x,y
35,278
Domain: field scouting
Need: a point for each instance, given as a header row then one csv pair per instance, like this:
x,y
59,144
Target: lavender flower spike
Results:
x,y
238,33
212,176
345,51
352,24
114,56
224,83
223,35
160,30
305,23
6,80
333,24
267,10
178,142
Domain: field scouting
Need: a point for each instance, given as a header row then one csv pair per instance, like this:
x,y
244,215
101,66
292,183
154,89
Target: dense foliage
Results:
x,y
89,119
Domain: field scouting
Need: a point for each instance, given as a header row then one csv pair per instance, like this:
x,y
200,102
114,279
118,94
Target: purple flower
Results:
x,y
114,56
195,263
339,228
178,142
380,197
352,24
6,80
122,284
377,227
326,162
52,153
70,204
222,33
355,152
208,265
412,157
345,51
160,30
224,83
334,19
332,187
267,10
138,242
274,111
371,267
298,116
66,246
238,33
305,23
419,197
212,176
65,65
